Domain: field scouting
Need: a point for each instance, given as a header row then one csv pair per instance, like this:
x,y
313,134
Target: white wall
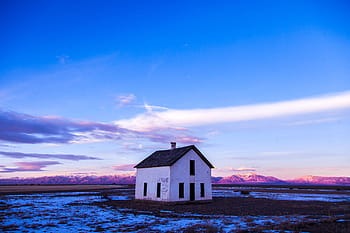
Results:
x,y
152,176
180,173
170,177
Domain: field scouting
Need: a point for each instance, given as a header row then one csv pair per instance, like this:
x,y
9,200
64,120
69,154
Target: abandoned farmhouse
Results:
x,y
174,175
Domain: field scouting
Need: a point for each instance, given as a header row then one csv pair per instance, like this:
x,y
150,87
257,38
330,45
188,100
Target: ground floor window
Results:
x,y
158,189
202,190
181,190
144,189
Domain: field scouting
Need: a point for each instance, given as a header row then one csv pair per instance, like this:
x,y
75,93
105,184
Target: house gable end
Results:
x,y
169,157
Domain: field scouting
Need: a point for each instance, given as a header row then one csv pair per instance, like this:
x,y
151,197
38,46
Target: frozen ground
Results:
x,y
273,194
76,212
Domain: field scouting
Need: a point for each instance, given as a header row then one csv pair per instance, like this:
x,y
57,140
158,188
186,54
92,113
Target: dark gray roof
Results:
x,y
163,158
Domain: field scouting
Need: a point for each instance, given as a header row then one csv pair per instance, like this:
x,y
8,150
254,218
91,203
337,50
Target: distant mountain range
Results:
x,y
234,179
71,180
246,178
260,179
321,180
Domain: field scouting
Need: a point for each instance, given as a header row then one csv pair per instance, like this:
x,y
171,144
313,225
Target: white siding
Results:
x,y
180,173
170,177
152,176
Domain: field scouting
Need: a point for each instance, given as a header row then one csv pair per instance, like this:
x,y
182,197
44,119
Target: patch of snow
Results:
x,y
75,212
230,192
119,198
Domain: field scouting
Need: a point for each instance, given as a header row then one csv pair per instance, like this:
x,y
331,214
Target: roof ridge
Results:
x,y
177,148
168,157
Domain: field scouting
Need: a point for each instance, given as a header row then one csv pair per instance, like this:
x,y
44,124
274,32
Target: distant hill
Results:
x,y
321,180
248,178
71,180
234,179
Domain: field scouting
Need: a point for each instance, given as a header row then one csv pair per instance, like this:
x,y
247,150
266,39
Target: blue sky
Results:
x,y
91,87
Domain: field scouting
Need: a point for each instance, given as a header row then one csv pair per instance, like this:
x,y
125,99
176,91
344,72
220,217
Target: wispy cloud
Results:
x,y
149,108
28,166
19,155
123,100
244,169
227,171
240,169
281,153
172,118
315,121
23,128
124,167
170,136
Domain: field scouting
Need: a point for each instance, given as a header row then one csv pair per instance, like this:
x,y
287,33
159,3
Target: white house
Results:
x,y
177,174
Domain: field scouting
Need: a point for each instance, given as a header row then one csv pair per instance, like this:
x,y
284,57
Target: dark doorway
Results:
x,y
192,192
202,190
181,190
158,189
144,189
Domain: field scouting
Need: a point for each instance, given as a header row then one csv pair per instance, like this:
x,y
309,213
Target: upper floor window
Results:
x,y
192,167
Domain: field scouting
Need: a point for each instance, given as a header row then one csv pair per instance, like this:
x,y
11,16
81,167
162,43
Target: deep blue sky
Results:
x,y
89,62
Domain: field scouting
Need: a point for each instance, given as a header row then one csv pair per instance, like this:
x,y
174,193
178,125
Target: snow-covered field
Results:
x,y
75,212
272,194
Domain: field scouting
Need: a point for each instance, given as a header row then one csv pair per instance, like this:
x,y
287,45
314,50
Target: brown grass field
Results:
x,y
20,189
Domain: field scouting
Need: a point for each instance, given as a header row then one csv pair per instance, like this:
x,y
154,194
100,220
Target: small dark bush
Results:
x,y
245,192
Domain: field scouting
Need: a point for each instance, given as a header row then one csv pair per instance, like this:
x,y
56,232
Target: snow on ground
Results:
x,y
74,212
233,192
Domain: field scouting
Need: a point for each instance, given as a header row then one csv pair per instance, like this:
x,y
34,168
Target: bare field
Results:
x,y
21,189
111,208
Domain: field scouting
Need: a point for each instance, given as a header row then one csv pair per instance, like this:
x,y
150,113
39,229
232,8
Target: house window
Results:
x,y
181,190
144,189
202,190
192,167
158,189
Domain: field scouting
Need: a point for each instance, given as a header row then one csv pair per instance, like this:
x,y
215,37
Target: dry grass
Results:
x,y
20,189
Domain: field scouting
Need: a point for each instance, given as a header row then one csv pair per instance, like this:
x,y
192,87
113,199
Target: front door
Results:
x,y
192,192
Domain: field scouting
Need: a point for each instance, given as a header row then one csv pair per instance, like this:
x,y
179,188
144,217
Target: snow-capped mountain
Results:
x,y
248,178
251,178
321,180
116,179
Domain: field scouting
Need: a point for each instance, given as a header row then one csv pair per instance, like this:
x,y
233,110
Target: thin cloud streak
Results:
x,y
18,155
315,121
244,169
28,166
240,169
124,167
197,117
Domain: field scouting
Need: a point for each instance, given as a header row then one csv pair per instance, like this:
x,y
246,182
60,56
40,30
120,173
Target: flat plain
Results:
x,y
235,208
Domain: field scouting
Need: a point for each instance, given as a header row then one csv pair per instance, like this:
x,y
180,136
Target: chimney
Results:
x,y
173,145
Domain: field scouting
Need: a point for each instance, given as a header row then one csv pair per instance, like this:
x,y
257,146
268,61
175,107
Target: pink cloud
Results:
x,y
124,167
45,156
28,166
123,100
24,128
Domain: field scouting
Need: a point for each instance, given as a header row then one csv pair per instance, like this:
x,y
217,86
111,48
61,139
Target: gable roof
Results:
x,y
163,158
